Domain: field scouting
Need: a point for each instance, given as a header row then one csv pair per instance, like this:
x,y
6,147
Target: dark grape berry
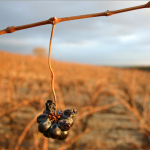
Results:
x,y
46,111
42,117
54,131
59,112
44,125
69,113
65,124
50,106
63,135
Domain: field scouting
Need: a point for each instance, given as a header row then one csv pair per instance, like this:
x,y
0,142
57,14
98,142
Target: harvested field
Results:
x,y
113,104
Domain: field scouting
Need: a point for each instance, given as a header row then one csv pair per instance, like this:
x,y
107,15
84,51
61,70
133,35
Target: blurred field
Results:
x,y
113,104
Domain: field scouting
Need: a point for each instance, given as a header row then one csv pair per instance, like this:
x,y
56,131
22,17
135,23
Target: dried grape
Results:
x,y
63,135
65,124
42,117
54,131
69,113
50,106
44,125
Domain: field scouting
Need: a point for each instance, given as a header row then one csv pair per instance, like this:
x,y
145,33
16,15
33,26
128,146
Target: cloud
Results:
x,y
22,41
128,38
113,40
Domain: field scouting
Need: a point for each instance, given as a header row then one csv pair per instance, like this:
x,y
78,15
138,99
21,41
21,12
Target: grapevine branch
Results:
x,y
58,20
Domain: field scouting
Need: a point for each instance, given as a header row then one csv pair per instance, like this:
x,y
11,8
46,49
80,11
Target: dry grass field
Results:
x,y
113,104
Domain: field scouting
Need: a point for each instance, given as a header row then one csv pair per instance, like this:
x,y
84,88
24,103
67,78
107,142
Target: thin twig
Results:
x,y
26,130
139,125
51,20
133,110
45,144
36,140
99,108
25,102
51,70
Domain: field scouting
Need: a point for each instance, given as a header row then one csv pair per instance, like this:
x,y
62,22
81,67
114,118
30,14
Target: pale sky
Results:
x,y
118,40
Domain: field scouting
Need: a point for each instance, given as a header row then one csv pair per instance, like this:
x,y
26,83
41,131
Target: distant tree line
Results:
x,y
40,52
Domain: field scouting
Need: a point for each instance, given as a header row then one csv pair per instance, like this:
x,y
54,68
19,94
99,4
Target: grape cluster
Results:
x,y
55,126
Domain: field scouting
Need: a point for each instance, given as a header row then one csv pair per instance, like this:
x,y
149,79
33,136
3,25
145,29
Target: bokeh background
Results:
x,y
101,68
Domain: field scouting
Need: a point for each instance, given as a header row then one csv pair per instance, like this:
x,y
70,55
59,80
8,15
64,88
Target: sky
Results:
x,y
119,40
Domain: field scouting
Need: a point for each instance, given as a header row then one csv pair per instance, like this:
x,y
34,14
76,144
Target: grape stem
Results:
x,y
51,70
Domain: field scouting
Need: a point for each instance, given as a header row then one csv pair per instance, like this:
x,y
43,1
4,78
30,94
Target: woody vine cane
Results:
x,y
12,29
